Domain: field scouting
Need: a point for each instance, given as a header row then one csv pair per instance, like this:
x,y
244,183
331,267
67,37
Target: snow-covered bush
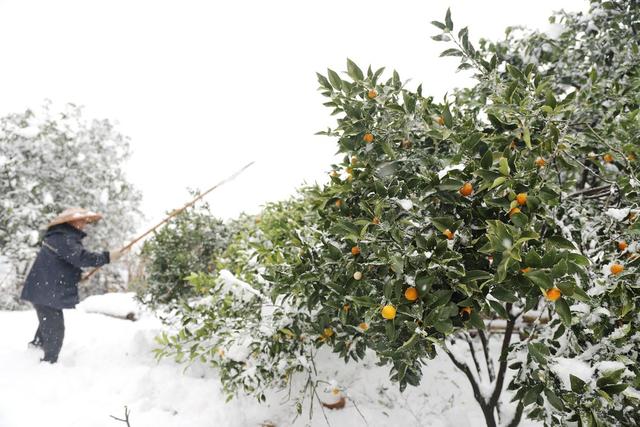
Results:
x,y
513,202
190,242
241,321
51,160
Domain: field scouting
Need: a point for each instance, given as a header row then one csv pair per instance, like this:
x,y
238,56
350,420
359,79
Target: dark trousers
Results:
x,y
50,333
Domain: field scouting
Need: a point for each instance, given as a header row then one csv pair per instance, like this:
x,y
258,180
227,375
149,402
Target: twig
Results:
x,y
127,412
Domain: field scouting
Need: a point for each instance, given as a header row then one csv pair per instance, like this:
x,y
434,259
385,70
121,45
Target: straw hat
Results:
x,y
73,214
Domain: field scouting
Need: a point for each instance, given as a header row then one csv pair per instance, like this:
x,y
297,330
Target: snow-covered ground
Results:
x,y
106,363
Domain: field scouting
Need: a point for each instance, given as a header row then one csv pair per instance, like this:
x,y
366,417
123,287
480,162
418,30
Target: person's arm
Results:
x,y
72,251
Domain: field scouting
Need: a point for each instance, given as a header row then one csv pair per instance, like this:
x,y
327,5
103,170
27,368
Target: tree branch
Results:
x,y
493,401
487,358
473,354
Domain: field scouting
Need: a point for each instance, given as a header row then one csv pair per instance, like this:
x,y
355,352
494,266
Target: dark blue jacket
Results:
x,y
54,276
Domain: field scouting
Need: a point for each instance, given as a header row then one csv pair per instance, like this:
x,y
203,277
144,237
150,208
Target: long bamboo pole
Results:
x,y
174,214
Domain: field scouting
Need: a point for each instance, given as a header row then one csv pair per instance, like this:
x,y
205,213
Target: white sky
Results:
x,y
202,88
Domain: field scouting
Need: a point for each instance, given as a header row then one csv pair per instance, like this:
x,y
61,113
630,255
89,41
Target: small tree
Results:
x,y
191,242
53,160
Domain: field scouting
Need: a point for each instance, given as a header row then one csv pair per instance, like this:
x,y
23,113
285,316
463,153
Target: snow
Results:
x,y
112,304
564,367
405,204
447,169
618,214
107,363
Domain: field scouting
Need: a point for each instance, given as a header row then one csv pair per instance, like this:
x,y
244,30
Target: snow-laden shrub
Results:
x,y
506,204
53,159
190,242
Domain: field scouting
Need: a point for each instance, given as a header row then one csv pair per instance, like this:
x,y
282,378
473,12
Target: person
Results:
x,y
52,282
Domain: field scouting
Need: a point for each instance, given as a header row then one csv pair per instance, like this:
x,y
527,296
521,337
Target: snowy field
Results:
x,y
106,363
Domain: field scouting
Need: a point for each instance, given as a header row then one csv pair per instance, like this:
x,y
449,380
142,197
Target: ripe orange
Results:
x,y
466,189
334,174
440,120
631,157
372,93
521,198
346,307
355,251
375,220
411,294
525,270
540,162
622,245
338,203
349,170
363,326
467,310
327,332
357,275
608,158
553,294
388,312
368,138
514,211
616,269
448,233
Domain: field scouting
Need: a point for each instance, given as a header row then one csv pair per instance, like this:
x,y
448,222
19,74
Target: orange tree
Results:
x,y
516,196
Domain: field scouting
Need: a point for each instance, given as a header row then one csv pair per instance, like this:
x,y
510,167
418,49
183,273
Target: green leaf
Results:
x,y
559,270
504,166
451,52
526,135
448,21
504,294
487,160
443,326
440,25
560,242
354,71
335,80
539,352
577,384
554,400
540,278
498,308
562,308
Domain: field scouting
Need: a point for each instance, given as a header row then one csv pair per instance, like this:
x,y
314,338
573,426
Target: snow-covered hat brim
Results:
x,y
74,214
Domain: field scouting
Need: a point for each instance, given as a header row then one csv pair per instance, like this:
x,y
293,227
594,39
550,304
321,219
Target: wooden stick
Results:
x,y
174,214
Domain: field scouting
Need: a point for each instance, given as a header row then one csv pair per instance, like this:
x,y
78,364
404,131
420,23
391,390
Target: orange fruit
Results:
x,y
616,269
608,158
440,120
521,198
466,310
406,144
372,93
540,162
346,307
354,160
466,189
368,137
357,275
411,294
327,332
553,294
375,220
525,270
355,250
349,170
622,245
388,312
338,203
514,211
363,326
631,157
448,233
334,174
